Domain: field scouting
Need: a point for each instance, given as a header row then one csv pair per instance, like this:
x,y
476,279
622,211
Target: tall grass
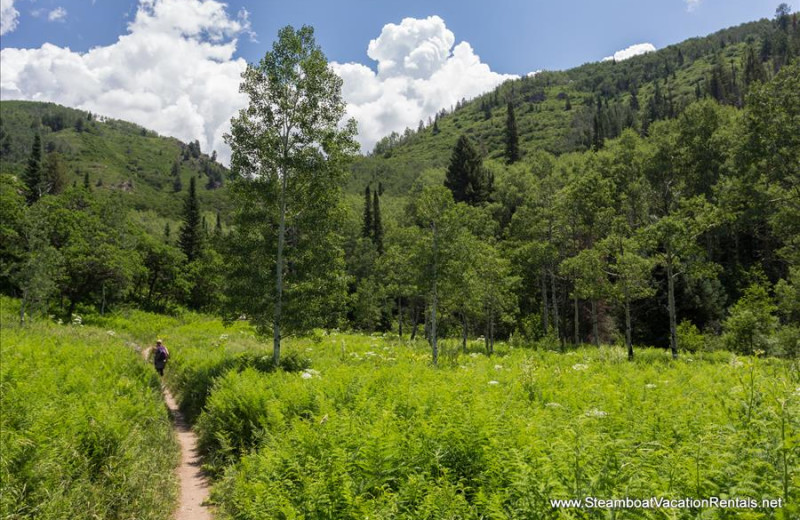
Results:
x,y
373,431
85,433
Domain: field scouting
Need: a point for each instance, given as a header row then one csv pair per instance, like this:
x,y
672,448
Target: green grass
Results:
x,y
85,433
356,426
371,430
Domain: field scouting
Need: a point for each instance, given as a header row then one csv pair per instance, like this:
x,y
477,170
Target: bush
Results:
x,y
751,322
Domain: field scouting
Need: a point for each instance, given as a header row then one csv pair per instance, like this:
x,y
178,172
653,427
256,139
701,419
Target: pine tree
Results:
x,y
466,177
366,230
218,225
32,176
377,231
86,183
54,174
511,137
190,238
167,232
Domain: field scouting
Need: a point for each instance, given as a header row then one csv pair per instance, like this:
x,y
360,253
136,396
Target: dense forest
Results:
x,y
653,201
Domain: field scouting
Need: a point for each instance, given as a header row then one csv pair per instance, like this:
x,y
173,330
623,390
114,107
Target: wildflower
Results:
x,y
498,367
493,382
306,375
77,320
223,336
474,354
552,405
650,386
594,412
579,366
111,333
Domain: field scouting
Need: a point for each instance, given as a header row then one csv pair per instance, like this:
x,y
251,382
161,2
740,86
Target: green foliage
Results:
x,y
751,323
85,432
466,177
190,239
289,155
372,430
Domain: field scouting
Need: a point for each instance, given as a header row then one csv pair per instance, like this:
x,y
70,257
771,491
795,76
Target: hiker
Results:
x,y
160,357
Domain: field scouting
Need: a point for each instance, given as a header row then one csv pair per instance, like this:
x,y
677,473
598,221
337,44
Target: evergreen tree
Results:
x,y
218,225
86,183
32,176
190,237
466,177
167,232
511,137
377,232
54,174
366,230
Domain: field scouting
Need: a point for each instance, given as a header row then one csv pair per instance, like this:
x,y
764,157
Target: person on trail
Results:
x,y
160,357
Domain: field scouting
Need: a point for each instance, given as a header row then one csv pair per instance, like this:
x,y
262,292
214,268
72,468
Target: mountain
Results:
x,y
577,109
113,155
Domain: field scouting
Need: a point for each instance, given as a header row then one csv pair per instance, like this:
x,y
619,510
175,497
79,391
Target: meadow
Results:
x,y
84,433
358,426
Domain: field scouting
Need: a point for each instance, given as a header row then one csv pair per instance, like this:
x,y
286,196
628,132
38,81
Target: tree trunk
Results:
x,y
545,309
491,333
673,328
555,304
22,307
434,339
628,328
595,332
276,320
414,322
577,320
464,332
400,316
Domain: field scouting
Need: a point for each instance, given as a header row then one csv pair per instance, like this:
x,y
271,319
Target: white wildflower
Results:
x,y
650,386
493,382
498,367
579,366
370,353
552,405
111,333
474,354
594,412
306,375
223,336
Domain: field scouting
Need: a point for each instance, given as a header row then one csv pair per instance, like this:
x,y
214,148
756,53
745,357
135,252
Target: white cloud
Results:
x,y
691,5
173,72
8,16
630,52
59,14
419,73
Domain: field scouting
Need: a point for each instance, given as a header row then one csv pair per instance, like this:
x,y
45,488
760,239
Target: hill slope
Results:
x,y
114,154
576,109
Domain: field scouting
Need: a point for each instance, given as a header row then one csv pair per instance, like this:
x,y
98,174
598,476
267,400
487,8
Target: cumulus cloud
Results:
x,y
173,72
419,72
630,52
59,14
691,5
8,16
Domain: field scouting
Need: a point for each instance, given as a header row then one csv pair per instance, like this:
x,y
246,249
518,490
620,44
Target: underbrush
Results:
x,y
371,430
85,433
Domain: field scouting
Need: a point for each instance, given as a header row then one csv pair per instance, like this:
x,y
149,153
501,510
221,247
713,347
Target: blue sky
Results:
x,y
514,37
174,65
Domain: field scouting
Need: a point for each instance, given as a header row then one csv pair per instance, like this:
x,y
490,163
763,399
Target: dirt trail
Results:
x,y
194,485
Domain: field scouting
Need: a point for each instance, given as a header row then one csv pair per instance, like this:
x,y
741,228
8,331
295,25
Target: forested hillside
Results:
x,y
578,109
649,201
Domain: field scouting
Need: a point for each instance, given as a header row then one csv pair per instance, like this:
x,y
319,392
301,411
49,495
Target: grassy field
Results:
x,y
356,426
84,433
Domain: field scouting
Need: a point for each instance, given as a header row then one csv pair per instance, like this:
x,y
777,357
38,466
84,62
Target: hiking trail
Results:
x,y
194,485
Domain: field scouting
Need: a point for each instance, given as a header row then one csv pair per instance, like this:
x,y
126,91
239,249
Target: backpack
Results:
x,y
161,355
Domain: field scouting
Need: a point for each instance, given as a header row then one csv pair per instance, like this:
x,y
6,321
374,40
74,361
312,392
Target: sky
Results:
x,y
174,65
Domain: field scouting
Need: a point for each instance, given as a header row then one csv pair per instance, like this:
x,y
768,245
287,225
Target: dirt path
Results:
x,y
194,485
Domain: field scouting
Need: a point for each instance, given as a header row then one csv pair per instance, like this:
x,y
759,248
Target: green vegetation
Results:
x,y
649,203
355,426
84,431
